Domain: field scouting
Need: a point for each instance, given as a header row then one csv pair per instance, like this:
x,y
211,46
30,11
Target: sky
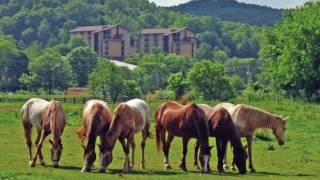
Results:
x,y
270,3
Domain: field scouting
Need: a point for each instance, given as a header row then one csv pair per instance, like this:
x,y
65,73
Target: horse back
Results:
x,y
33,110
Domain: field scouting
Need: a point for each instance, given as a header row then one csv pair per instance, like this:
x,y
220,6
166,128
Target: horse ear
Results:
x,y
50,141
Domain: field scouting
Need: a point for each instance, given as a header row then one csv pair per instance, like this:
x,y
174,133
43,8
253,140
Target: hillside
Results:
x,y
231,10
47,23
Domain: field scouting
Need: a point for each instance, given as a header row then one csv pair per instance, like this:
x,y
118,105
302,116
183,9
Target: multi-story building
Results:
x,y
171,40
115,42
109,41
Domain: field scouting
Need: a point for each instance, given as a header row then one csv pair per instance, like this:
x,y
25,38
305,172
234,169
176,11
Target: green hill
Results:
x,y
231,10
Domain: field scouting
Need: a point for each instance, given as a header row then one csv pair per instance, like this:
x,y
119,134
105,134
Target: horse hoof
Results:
x,y
220,170
32,164
226,167
167,167
233,169
42,163
183,167
142,167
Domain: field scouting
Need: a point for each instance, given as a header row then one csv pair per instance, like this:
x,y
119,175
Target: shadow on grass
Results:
x,y
145,172
263,173
75,168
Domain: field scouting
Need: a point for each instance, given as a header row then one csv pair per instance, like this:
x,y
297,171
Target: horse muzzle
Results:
x,y
281,143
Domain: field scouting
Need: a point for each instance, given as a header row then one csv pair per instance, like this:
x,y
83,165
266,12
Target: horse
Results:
x,y
248,118
222,127
129,118
186,121
96,121
46,117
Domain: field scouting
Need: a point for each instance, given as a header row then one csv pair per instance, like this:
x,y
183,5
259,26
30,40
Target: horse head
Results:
x,y
240,158
106,148
279,130
56,151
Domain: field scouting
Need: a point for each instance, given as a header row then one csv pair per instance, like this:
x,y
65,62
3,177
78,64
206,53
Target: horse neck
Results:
x,y
266,121
202,131
115,130
54,124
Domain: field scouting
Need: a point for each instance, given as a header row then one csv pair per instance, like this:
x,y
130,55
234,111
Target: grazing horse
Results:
x,y
222,127
46,117
186,121
248,118
129,118
96,121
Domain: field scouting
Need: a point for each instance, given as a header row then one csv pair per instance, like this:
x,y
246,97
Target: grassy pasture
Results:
x,y
299,158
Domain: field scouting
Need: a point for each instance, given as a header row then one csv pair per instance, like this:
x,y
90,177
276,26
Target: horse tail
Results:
x,y
24,111
159,128
93,117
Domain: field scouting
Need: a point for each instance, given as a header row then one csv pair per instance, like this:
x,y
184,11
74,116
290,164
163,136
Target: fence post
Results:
x,y
84,100
74,100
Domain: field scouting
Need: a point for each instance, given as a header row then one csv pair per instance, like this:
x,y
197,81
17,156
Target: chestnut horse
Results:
x,y
222,127
96,121
46,117
129,118
248,118
186,121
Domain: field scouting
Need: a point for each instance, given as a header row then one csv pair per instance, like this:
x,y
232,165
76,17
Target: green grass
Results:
x,y
297,159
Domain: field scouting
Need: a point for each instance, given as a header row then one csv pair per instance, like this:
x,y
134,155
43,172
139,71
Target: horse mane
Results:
x,y
52,112
256,112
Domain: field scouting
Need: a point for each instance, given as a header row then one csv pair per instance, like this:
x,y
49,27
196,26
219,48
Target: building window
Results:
x,y
107,37
146,44
155,41
176,36
178,48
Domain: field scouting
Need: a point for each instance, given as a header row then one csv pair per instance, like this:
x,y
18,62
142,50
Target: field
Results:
x,y
299,158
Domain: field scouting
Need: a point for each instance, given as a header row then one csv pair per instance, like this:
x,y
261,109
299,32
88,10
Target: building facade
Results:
x,y
115,42
171,40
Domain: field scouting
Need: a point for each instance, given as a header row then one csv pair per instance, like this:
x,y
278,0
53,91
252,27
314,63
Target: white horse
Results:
x,y
248,118
46,117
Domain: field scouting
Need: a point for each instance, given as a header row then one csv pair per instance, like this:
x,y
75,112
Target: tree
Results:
x,y
209,80
12,64
107,80
291,54
178,84
49,71
77,41
204,52
83,60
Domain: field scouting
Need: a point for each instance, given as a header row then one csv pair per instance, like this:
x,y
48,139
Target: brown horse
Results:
x,y
46,117
129,118
222,127
96,121
186,121
247,119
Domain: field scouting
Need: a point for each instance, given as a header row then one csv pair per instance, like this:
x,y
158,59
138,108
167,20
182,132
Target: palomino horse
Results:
x,y
222,127
129,118
46,117
186,121
248,118
96,121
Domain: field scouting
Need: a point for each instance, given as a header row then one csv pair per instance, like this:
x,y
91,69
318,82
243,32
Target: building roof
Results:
x,y
89,28
123,64
161,30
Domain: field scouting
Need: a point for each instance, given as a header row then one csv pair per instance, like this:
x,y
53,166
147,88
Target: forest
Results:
x,y
38,53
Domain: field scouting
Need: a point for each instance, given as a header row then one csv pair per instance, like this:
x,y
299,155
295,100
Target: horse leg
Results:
x,y
40,155
143,145
249,141
27,138
196,150
166,151
185,150
39,146
125,148
133,147
225,162
219,154
224,144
